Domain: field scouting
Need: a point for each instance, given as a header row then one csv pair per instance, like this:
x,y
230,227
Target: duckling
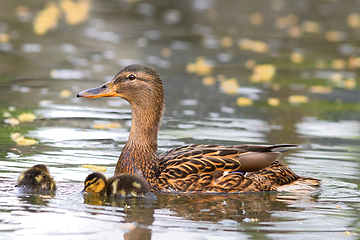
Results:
x,y
37,179
125,185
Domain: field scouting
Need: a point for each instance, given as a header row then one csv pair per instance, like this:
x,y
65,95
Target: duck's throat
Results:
x,y
139,153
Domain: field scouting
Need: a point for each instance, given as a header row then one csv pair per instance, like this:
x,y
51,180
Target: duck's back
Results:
x,y
215,168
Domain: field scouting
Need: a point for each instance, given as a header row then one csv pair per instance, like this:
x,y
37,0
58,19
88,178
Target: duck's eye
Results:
x,y
131,77
103,87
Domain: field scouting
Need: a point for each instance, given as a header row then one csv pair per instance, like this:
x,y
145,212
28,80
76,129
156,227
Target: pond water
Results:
x,y
235,72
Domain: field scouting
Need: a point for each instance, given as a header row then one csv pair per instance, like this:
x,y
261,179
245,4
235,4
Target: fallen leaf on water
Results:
x,y
349,83
6,114
255,46
256,19
26,117
274,102
298,99
21,140
354,62
230,86
106,125
263,73
199,67
297,57
335,36
12,121
65,94
338,64
208,81
353,20
320,89
226,41
95,168
4,37
243,101
311,27
249,64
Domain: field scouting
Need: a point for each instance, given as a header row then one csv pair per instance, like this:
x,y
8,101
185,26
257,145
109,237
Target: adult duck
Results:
x,y
192,168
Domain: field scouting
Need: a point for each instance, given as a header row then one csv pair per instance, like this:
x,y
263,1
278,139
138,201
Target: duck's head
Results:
x,y
95,183
41,167
138,84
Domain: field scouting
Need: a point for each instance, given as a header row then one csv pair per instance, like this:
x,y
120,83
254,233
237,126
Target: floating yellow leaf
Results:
x,y
295,31
21,141
46,19
75,12
200,67
263,73
25,141
226,41
250,63
12,121
65,94
106,125
255,46
273,102
338,64
256,19
334,36
320,89
349,83
6,114
297,57
208,81
4,37
353,20
230,86
26,117
354,62
298,99
311,27
243,101
95,168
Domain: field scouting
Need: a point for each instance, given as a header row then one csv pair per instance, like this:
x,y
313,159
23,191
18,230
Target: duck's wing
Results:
x,y
206,164
182,161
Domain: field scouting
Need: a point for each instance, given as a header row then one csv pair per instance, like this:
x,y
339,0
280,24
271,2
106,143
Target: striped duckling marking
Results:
x,y
125,185
37,179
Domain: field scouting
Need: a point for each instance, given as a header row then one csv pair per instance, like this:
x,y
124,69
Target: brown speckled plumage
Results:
x,y
204,168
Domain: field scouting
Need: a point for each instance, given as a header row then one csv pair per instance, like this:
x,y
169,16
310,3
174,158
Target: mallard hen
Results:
x,y
193,168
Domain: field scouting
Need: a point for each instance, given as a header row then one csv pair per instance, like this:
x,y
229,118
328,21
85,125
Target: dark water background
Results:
x,y
234,72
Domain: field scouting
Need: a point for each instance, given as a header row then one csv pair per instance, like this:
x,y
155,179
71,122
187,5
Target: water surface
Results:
x,y
235,72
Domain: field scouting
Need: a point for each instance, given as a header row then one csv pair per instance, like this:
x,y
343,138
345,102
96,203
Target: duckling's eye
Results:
x,y
131,77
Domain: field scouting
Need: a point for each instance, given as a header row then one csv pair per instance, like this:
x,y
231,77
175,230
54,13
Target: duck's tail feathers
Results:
x,y
281,147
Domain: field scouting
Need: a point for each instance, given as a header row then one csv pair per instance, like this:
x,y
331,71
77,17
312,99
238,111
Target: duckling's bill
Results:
x,y
105,90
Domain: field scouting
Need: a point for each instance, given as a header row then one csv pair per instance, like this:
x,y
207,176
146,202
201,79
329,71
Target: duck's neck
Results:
x,y
139,153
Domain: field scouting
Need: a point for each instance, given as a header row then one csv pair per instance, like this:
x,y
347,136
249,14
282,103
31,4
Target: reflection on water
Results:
x,y
234,72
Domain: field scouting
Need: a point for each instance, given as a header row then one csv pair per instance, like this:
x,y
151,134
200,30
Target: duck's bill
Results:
x,y
105,90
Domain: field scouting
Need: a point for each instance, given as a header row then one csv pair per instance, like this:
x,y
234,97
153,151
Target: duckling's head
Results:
x,y
95,183
138,84
42,168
